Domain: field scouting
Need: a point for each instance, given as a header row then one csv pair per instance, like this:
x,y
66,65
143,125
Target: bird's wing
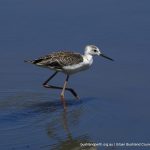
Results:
x,y
59,59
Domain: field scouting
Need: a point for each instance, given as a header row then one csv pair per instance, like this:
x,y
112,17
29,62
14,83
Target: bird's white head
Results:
x,y
94,50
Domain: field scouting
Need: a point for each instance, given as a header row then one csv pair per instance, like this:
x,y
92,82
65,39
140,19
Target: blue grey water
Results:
x,y
114,105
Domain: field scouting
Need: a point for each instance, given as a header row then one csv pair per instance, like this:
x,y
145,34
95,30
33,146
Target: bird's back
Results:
x,y
58,60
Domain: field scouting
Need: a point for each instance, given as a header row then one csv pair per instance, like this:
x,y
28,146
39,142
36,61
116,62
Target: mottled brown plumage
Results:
x,y
58,59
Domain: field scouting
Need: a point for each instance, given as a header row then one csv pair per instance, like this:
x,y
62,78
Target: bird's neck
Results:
x,y
88,57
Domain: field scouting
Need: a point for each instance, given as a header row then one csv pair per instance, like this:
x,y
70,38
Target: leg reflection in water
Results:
x,y
60,131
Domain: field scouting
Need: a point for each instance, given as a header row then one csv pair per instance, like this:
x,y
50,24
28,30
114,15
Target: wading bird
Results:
x,y
69,63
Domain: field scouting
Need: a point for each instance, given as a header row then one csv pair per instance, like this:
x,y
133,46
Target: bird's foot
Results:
x,y
77,97
46,86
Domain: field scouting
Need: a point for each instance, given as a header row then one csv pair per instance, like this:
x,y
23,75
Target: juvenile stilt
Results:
x,y
69,63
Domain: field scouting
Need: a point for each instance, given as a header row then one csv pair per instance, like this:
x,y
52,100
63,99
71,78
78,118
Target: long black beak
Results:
x,y
106,57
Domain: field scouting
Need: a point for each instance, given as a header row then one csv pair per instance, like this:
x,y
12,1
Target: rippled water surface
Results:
x,y
114,96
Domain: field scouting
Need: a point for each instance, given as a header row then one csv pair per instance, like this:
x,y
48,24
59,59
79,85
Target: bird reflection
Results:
x,y
65,140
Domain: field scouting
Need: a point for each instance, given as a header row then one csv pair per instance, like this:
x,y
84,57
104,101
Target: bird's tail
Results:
x,y
29,61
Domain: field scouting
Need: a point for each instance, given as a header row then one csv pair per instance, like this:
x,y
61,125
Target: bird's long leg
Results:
x,y
63,92
45,84
64,87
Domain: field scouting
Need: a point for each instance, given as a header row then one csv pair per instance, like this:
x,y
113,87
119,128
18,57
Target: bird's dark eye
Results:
x,y
95,50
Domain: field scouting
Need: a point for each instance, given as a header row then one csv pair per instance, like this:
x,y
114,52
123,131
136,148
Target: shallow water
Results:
x,y
114,96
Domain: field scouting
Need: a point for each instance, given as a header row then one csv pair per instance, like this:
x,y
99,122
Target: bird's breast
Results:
x,y
76,68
